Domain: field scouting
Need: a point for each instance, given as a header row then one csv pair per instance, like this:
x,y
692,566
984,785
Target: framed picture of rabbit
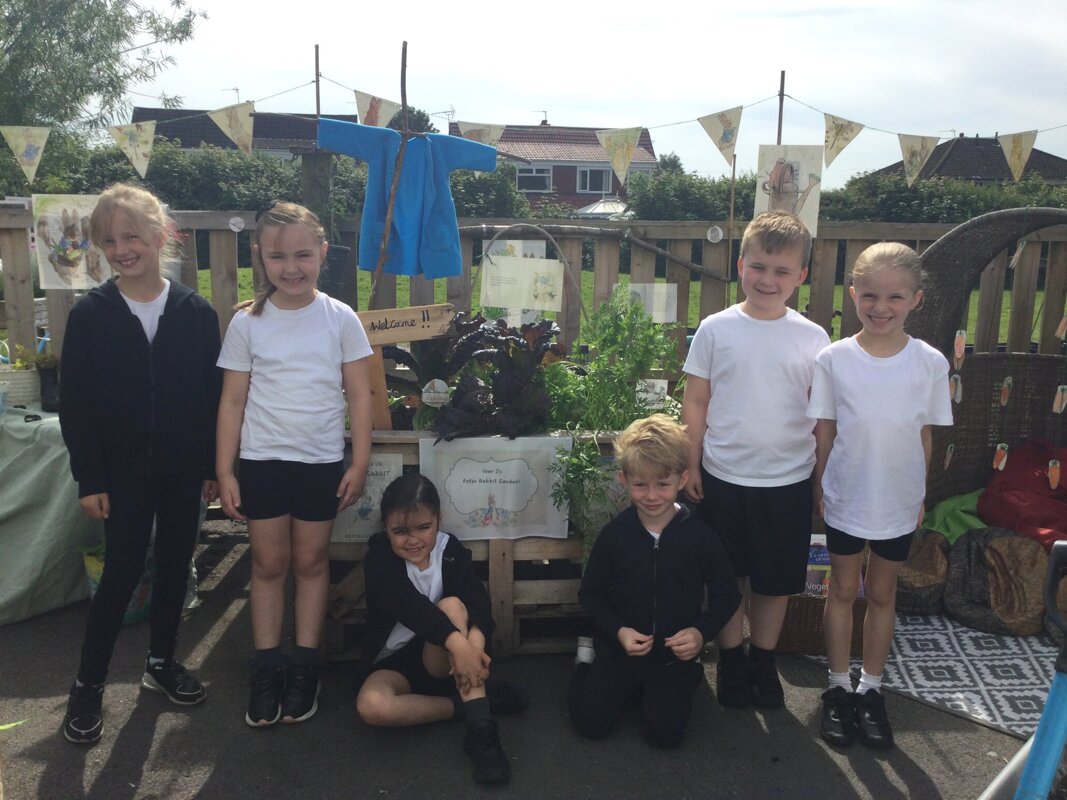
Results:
x,y
66,259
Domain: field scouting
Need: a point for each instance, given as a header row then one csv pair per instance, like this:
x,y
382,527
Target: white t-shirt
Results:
x,y
875,477
760,372
296,408
150,312
430,583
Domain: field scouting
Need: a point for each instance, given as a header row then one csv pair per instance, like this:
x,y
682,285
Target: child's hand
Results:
x,y
350,488
96,506
634,643
685,644
469,664
230,497
209,491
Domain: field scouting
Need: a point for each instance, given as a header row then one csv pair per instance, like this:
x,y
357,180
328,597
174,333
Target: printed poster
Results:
x,y
659,299
522,248
1016,148
620,144
839,132
496,488
375,111
787,179
136,141
236,122
28,146
66,259
722,127
530,283
362,519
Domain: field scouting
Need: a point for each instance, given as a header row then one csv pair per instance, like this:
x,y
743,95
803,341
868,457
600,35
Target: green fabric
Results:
x,y
954,516
42,527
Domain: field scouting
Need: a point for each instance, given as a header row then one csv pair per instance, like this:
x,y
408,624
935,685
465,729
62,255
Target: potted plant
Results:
x,y
21,376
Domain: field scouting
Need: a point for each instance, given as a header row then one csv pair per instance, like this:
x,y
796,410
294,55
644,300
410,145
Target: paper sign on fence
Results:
x,y
357,522
513,282
659,299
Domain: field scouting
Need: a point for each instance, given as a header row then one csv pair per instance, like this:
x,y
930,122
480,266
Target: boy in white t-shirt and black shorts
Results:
x,y
752,447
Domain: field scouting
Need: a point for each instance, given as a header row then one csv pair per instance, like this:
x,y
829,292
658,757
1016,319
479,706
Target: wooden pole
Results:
x,y
781,104
730,225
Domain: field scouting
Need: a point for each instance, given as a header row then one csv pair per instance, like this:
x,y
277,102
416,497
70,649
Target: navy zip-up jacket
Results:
x,y
658,588
129,408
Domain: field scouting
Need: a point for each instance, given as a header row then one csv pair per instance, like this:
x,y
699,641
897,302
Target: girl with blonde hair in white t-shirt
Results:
x,y
875,397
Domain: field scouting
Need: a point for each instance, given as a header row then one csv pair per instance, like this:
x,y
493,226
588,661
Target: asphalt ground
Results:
x,y
152,749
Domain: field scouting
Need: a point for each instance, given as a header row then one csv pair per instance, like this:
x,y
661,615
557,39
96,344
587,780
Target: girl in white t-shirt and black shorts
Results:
x,y
875,397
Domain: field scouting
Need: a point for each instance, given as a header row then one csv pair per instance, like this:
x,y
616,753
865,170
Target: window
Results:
x,y
534,179
596,181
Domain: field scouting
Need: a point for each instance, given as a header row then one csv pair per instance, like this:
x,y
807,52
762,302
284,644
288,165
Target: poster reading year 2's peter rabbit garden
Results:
x,y
66,259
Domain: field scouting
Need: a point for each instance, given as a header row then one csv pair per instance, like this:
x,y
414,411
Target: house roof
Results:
x,y
981,159
556,143
269,131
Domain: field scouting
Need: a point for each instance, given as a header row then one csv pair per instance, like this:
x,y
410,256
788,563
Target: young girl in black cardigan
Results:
x,y
428,627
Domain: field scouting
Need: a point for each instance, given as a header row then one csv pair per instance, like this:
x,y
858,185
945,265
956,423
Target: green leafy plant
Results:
x,y
26,359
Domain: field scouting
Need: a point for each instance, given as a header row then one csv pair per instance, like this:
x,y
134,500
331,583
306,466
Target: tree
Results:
x,y
670,162
67,63
418,121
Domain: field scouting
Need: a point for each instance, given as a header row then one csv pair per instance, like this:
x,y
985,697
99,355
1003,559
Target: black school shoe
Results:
x,y
733,679
265,700
83,723
838,717
482,745
301,698
505,697
872,722
171,679
764,682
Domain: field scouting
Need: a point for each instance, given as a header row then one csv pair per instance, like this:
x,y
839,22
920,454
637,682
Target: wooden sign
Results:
x,y
392,325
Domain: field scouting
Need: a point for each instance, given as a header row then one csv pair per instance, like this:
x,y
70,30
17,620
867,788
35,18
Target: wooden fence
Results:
x,y
1041,267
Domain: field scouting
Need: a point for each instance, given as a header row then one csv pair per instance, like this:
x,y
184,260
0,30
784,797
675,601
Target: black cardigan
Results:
x,y
129,408
631,582
392,598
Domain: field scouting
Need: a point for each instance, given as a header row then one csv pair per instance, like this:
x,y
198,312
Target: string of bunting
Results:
x,y
722,127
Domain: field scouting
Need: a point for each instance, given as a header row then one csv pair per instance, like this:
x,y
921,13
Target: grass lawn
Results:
x,y
244,290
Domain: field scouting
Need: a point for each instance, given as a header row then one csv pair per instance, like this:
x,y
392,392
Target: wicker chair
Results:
x,y
988,415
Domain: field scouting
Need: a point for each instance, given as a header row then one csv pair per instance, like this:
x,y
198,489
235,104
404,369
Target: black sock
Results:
x,y
477,709
732,653
268,658
759,654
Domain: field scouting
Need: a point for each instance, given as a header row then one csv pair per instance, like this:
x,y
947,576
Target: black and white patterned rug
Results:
x,y
1001,681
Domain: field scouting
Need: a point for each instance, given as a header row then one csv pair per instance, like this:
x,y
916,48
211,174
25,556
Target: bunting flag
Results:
x,y
28,146
916,151
136,142
236,122
839,132
481,132
620,144
374,110
1016,148
722,127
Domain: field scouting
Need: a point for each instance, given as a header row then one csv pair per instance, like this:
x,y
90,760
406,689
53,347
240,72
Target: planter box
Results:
x,y
23,385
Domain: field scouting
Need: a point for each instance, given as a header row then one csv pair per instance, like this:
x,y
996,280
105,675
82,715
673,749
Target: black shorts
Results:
x,y
278,488
766,531
845,544
408,662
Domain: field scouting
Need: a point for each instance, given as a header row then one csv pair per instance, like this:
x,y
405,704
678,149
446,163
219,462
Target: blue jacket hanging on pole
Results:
x,y
424,237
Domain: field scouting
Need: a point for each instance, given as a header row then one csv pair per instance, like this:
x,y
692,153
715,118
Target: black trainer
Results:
x,y
872,722
482,744
83,723
171,679
764,682
265,700
505,697
301,698
838,717
732,682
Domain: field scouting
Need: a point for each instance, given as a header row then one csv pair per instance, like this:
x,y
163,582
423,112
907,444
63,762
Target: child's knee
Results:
x,y
453,608
374,708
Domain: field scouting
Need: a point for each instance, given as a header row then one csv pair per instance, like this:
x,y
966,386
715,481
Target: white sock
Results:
x,y
868,682
842,679
586,653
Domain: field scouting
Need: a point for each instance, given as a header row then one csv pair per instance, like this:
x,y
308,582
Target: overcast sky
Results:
x,y
934,68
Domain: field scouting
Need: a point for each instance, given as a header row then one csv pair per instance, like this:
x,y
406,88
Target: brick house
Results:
x,y
564,164
981,160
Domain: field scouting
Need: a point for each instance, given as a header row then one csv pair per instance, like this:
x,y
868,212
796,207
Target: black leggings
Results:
x,y
599,692
173,501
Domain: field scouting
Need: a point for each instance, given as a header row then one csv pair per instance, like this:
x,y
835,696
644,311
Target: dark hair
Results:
x,y
407,493
277,214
